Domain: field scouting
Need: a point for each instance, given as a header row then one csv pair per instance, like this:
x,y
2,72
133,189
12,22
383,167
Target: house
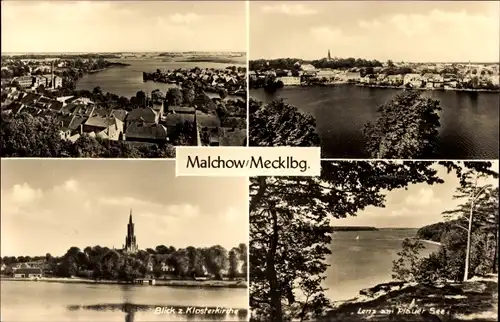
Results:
x,y
159,109
3,267
39,80
289,80
57,82
307,67
29,99
143,115
24,81
82,100
104,127
146,132
70,108
28,273
119,114
413,80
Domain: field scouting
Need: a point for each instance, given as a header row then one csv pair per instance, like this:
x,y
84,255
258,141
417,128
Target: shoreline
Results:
x,y
396,87
431,242
171,283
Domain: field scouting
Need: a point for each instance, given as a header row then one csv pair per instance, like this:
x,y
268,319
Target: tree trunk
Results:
x,y
467,254
275,293
495,254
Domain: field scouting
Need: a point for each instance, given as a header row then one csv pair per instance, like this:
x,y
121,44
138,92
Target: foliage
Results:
x,y
449,263
105,263
290,226
404,269
174,97
289,63
406,129
26,136
281,124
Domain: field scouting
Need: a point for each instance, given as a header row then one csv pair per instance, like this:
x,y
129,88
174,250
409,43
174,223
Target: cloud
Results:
x,y
23,194
325,33
184,18
424,197
289,9
369,24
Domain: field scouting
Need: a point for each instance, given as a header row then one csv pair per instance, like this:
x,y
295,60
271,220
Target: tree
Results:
x,y
281,124
174,96
188,95
290,226
390,63
406,267
406,129
487,212
233,263
26,136
290,216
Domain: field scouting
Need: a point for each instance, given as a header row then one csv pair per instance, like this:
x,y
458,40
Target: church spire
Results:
x,y
130,217
329,56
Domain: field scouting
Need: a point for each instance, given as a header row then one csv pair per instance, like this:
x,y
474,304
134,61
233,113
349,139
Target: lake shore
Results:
x,y
394,87
172,283
431,242
473,300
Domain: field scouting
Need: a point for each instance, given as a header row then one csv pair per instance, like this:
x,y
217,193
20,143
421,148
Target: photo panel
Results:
x,y
376,241
117,240
376,79
122,79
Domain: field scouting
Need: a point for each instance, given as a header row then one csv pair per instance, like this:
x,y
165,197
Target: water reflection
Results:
x,y
189,313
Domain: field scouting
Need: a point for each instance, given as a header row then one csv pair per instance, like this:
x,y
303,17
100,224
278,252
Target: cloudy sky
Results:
x,y
418,206
426,31
117,26
51,205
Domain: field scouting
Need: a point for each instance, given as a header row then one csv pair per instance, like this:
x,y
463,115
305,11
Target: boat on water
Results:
x,y
357,237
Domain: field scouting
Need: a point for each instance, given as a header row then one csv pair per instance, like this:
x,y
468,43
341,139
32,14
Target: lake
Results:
x,y
365,262
43,301
127,81
469,121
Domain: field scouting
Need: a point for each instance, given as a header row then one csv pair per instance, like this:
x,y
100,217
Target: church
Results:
x,y
130,246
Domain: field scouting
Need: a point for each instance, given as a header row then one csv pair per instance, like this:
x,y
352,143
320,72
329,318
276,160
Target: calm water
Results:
x,y
127,81
41,301
365,262
469,121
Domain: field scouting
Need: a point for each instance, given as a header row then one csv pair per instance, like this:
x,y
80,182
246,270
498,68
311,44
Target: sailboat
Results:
x,y
357,237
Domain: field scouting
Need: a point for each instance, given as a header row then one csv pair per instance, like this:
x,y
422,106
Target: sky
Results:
x,y
123,26
49,206
410,31
420,205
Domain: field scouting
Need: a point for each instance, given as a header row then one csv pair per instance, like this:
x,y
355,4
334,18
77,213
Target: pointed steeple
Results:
x,y
329,56
130,217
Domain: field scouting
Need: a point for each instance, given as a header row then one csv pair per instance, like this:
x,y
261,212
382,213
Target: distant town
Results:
x,y
468,76
204,107
129,264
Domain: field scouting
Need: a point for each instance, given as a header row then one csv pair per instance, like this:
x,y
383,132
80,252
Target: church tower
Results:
x,y
329,57
130,246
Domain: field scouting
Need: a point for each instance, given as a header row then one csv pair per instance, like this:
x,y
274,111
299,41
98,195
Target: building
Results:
x,y
329,57
24,81
28,273
130,246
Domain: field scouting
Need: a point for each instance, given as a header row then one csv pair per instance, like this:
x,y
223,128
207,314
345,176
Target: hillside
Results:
x,y
474,300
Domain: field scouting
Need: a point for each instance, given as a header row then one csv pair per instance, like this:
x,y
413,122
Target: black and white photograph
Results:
x,y
122,79
118,240
376,79
376,241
